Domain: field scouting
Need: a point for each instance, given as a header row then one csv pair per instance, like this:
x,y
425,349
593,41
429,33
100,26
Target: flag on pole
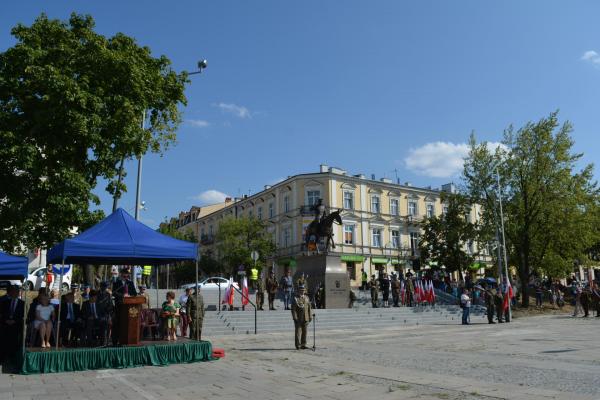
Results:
x,y
229,293
402,292
432,292
244,291
508,294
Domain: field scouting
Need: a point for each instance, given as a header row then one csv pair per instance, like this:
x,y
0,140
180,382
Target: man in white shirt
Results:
x,y
465,304
184,318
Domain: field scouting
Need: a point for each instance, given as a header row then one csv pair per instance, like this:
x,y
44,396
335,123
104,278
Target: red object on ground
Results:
x,y
218,352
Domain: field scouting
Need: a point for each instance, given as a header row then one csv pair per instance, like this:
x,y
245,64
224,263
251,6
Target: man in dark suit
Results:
x,y
12,310
95,318
121,288
71,323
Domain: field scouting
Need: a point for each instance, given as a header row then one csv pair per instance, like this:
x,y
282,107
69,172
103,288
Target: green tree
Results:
x,y
237,238
71,105
551,208
446,237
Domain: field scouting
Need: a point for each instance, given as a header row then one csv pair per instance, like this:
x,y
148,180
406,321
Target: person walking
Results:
x,y
373,285
499,303
465,303
195,314
287,285
302,316
272,287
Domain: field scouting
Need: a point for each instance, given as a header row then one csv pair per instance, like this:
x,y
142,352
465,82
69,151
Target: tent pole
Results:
x,y
168,272
25,312
57,335
197,310
156,266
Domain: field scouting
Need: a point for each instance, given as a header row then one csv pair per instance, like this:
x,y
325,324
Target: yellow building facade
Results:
x,y
381,219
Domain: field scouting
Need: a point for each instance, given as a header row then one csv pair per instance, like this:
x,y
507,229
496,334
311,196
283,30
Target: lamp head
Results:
x,y
202,64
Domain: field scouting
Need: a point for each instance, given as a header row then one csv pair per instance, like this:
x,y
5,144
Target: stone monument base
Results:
x,y
327,269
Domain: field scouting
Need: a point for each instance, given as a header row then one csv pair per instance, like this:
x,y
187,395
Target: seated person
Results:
x,y
95,317
71,323
44,318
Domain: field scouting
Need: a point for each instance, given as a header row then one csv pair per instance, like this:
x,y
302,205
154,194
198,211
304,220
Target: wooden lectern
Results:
x,y
129,320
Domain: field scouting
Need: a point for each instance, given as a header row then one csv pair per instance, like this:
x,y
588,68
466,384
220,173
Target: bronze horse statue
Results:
x,y
323,228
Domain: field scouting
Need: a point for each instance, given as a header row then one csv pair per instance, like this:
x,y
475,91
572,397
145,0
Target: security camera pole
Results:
x,y
201,65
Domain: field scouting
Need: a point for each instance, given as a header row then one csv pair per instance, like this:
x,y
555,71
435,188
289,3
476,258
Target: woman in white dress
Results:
x,y
44,316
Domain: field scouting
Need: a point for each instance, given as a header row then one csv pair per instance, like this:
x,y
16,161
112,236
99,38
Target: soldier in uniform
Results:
x,y
499,302
374,286
490,295
195,315
302,315
395,290
272,286
260,293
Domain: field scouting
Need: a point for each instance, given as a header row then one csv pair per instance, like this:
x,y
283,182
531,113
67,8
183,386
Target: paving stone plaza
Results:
x,y
547,357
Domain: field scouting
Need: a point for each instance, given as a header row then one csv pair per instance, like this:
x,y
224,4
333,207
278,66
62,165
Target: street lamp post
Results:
x,y
201,65
503,239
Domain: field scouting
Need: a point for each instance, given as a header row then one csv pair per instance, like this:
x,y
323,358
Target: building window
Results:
x,y
396,239
430,212
414,242
351,268
286,204
349,200
202,232
412,208
271,210
376,237
394,206
375,205
210,230
349,234
445,210
259,212
250,214
313,197
287,237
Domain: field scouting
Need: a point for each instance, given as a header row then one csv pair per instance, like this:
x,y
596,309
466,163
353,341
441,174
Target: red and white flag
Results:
x,y
432,292
244,292
508,294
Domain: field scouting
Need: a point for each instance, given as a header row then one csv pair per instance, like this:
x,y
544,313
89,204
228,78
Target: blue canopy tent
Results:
x,y
12,267
121,240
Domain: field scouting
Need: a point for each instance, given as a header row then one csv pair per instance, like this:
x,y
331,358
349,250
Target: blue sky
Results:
x,y
367,86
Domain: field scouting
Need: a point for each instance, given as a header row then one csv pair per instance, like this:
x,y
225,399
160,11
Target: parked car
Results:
x,y
211,283
37,279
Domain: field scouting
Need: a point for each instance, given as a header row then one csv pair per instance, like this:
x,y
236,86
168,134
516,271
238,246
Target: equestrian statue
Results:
x,y
322,227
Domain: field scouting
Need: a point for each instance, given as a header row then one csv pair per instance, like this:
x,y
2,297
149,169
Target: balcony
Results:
x,y
413,219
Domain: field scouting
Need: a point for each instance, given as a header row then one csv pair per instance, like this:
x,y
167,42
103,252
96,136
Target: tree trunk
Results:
x,y
524,275
88,274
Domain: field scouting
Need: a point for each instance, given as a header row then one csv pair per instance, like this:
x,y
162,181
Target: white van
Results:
x,y
37,278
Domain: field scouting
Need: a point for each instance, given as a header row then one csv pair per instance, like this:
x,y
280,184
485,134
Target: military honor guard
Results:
x,y
302,315
272,286
195,314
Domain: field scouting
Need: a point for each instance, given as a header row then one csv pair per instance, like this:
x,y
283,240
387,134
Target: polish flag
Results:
x,y
418,292
509,291
244,292
402,292
432,292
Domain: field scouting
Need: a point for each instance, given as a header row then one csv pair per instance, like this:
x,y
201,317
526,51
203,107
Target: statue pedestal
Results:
x,y
329,270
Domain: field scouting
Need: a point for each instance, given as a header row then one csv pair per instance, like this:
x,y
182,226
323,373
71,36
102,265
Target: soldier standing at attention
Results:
x,y
260,293
302,315
499,302
395,290
489,303
195,314
272,287
373,285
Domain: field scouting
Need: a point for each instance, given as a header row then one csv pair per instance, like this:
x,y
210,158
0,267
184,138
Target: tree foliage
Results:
x,y
446,237
551,207
71,105
237,238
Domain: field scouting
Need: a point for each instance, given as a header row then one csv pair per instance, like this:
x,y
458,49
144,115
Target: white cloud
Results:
x,y
211,197
440,159
238,111
198,123
592,57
